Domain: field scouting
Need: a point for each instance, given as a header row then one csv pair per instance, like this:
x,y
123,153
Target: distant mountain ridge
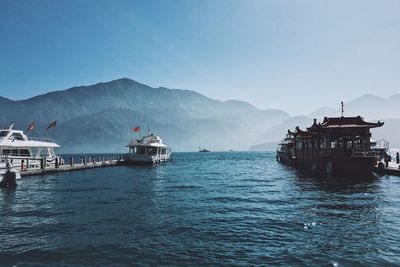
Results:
x,y
370,107
97,118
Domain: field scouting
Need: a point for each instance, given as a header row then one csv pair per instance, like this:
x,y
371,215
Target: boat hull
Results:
x,y
135,159
330,165
284,158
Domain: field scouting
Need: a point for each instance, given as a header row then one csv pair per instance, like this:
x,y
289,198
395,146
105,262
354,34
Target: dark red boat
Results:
x,y
340,144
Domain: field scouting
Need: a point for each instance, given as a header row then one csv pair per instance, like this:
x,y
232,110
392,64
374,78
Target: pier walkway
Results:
x,y
393,169
74,163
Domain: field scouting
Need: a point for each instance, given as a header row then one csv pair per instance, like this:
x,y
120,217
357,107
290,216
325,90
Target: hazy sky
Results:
x,y
293,55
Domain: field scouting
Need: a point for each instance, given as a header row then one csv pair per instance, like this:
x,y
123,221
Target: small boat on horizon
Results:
x,y
149,149
203,150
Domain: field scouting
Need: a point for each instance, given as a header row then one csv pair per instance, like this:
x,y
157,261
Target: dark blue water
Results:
x,y
202,209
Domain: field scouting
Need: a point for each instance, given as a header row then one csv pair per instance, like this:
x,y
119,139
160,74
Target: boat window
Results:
x,y
16,136
24,153
164,151
6,152
349,145
334,144
4,133
299,145
140,150
14,152
151,150
323,143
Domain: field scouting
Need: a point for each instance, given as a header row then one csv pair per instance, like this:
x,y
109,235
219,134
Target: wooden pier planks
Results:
x,y
74,167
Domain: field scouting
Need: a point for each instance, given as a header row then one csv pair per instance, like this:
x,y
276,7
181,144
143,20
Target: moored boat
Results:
x,y
149,149
338,144
285,151
20,151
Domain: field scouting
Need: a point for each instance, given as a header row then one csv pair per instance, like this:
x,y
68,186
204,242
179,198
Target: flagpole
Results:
x,y
130,130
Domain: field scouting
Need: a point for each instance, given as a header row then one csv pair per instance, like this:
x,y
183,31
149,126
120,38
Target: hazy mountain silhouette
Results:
x,y
369,106
98,117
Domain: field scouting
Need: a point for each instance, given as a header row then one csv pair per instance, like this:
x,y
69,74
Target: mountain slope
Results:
x,y
98,117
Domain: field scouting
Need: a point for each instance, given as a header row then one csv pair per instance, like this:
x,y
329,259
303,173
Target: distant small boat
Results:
x,y
203,150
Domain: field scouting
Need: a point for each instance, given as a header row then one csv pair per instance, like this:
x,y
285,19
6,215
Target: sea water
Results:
x,y
201,209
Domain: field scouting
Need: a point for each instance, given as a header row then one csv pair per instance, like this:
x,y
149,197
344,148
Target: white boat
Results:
x,y
149,149
16,148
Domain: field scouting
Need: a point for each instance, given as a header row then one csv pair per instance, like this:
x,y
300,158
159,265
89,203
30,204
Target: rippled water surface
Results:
x,y
233,208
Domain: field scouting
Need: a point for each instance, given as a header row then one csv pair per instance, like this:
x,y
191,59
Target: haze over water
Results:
x,y
201,209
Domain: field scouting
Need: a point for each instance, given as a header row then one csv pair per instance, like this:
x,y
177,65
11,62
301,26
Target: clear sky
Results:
x,y
293,55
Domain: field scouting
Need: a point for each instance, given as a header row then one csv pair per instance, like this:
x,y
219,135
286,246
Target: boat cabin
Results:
x,y
340,141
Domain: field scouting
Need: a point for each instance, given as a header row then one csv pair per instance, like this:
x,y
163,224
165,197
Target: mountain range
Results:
x,y
99,118
370,107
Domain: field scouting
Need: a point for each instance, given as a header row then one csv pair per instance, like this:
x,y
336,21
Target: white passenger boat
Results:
x,y
149,149
16,148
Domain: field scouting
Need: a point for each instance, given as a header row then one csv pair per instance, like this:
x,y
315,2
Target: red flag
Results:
x,y
31,127
52,125
136,129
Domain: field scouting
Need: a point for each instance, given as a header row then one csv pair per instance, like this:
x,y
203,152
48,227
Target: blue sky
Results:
x,y
292,55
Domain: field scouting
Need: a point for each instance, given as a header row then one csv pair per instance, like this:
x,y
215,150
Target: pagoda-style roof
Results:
x,y
348,122
302,133
336,123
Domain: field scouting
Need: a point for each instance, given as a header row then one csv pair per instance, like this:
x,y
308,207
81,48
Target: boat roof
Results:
x,y
132,144
343,122
335,123
150,140
26,144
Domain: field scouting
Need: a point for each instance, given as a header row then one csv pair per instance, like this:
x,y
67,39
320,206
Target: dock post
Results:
x,y
22,165
71,161
81,161
56,163
27,164
41,163
93,159
397,157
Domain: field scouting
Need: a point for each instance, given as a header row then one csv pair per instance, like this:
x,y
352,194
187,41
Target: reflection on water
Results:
x,y
202,209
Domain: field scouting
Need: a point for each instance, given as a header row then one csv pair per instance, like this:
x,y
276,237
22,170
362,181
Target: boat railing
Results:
x,y
47,140
364,151
381,144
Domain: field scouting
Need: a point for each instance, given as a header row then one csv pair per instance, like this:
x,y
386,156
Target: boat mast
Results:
x,y
342,108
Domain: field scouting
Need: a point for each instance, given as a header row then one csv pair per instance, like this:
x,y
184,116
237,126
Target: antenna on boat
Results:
x,y
11,126
342,108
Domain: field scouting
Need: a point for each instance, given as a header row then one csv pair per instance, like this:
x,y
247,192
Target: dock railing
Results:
x,y
25,164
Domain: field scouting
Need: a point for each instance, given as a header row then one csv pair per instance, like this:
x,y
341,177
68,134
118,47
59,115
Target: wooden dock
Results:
x,y
67,168
393,169
74,163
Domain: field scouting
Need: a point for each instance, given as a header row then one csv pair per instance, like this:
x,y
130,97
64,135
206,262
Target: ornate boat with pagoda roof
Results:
x,y
337,145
